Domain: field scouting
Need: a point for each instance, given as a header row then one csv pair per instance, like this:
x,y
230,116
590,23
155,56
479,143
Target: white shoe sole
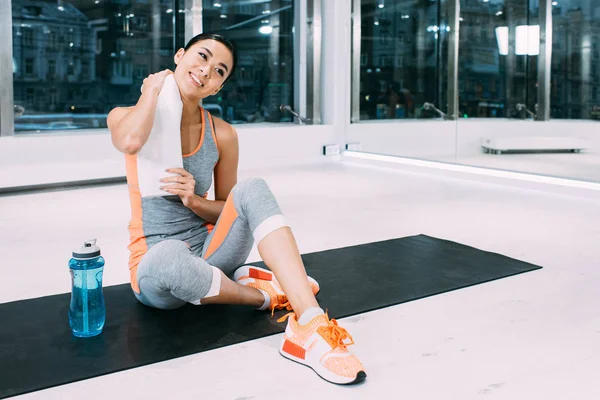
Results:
x,y
324,372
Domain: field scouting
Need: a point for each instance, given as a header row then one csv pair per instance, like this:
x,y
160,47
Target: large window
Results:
x,y
264,79
499,49
510,65
403,58
73,61
574,91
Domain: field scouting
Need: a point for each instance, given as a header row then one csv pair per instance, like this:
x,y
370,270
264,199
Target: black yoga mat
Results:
x,y
37,349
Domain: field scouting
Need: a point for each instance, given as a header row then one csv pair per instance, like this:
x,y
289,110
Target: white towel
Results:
x,y
163,148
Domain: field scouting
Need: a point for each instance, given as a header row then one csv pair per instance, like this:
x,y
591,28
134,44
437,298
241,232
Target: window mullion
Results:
x,y
7,111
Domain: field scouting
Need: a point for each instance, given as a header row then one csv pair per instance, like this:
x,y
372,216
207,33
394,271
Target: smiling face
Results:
x,y
202,69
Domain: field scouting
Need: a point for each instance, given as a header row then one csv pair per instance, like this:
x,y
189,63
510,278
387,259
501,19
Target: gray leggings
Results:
x,y
171,274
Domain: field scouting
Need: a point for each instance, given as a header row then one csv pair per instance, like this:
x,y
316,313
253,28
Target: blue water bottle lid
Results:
x,y
88,250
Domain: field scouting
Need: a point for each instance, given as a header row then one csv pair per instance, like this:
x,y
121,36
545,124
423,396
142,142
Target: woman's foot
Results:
x,y
264,280
321,344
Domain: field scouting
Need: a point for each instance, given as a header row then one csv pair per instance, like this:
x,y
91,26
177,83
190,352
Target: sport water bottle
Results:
x,y
87,312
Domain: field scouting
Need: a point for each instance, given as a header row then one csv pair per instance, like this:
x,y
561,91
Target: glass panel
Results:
x,y
74,61
499,96
262,32
574,92
404,80
403,60
499,45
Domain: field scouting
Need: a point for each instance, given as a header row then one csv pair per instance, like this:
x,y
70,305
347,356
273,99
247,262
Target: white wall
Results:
x,y
460,142
440,140
471,130
35,159
430,140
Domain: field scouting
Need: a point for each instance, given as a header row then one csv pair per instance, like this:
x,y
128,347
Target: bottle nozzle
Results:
x,y
89,249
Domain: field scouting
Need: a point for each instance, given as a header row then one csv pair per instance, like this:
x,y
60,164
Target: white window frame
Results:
x,y
307,54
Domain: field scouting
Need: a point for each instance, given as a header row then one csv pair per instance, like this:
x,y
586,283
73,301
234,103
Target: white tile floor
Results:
x,y
532,336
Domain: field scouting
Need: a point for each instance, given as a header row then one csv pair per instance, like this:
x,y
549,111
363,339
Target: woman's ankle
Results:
x,y
254,297
308,314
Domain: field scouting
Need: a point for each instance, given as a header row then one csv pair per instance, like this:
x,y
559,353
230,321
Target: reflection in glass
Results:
x,y
499,47
403,62
264,77
506,86
575,80
74,61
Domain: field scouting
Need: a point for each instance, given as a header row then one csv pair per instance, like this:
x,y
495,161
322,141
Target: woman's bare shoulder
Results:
x,y
224,131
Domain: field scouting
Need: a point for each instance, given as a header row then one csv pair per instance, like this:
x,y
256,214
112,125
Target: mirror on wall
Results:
x,y
501,124
400,79
520,108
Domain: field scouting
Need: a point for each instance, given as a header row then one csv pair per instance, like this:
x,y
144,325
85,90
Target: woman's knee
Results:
x,y
258,205
169,260
254,195
251,187
152,294
171,247
177,269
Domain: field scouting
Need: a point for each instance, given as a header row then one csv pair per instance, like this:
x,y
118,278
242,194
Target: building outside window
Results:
x,y
503,61
85,48
575,32
499,44
264,80
90,57
403,58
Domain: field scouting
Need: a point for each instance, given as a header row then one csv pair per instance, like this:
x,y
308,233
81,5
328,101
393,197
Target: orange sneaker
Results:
x,y
321,345
265,280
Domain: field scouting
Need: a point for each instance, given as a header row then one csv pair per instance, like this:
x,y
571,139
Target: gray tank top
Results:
x,y
166,217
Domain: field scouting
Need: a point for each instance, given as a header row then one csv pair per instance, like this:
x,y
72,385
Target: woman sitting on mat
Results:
x,y
178,256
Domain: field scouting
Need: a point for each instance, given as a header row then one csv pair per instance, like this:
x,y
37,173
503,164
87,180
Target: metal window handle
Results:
x,y
430,106
521,107
284,107
18,110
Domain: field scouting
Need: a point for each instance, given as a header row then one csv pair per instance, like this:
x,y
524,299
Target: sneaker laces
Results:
x,y
282,319
280,303
334,334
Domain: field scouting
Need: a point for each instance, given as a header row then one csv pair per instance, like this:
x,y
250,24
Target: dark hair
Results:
x,y
220,39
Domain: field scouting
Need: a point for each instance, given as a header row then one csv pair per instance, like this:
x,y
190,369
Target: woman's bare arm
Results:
x,y
130,126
